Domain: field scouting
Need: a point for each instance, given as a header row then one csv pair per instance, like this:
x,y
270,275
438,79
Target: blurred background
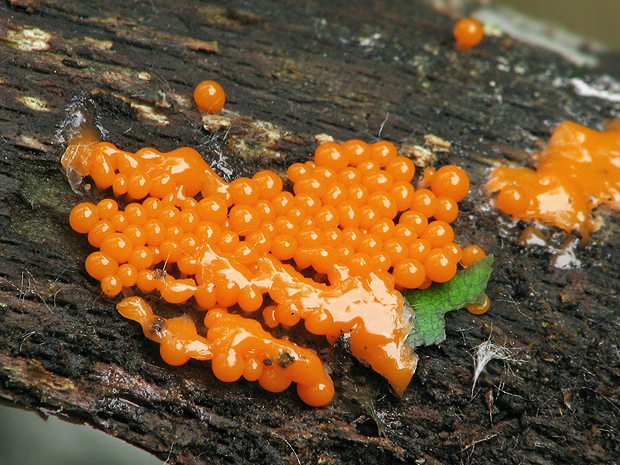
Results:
x,y
26,438
593,19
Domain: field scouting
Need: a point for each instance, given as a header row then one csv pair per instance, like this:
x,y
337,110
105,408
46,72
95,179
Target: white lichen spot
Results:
x,y
322,138
213,123
181,100
145,111
370,41
437,144
421,157
30,39
149,112
34,103
32,142
144,76
98,44
269,132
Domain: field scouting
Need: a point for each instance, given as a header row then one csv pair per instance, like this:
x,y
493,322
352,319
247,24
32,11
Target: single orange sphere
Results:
x,y
83,217
450,181
479,309
209,96
468,32
512,200
471,254
409,273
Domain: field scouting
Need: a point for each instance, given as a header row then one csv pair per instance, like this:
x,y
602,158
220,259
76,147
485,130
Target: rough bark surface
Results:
x,y
357,69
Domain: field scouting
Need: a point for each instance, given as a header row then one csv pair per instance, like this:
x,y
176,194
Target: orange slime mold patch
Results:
x,y
577,171
354,218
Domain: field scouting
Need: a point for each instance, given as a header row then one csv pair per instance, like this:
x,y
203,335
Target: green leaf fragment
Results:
x,y
430,305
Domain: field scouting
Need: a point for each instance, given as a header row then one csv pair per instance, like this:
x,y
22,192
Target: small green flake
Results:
x,y
430,305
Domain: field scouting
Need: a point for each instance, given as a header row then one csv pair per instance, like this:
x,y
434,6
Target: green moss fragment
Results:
x,y
430,305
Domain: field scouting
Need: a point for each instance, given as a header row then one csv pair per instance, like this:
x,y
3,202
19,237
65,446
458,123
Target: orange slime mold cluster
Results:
x,y
354,218
577,171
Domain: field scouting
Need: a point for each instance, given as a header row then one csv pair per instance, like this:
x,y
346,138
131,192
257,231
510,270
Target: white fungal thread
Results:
x,y
487,351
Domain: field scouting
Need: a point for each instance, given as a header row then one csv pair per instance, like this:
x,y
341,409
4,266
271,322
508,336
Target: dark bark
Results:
x,y
305,68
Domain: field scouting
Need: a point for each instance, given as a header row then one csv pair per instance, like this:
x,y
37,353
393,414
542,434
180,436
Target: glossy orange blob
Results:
x,y
439,266
384,203
450,181
141,258
369,216
357,150
282,202
99,232
577,171
209,97
396,249
145,280
349,176
138,185
383,229
447,209
438,233
268,183
244,191
424,181
99,265
415,218
481,308
297,171
402,193
323,258
419,249
106,208
111,285
424,201
335,193
512,200
127,274
212,209
311,185
358,194
118,246
409,273
83,217
283,246
401,168
468,32
455,251
244,219
471,254
383,152
331,155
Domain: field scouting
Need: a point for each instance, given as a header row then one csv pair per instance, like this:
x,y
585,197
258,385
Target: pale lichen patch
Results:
x,y
421,157
437,144
34,103
322,138
98,44
146,111
29,39
32,142
213,123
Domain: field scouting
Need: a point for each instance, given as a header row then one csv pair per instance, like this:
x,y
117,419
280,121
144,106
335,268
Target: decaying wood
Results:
x,y
294,71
